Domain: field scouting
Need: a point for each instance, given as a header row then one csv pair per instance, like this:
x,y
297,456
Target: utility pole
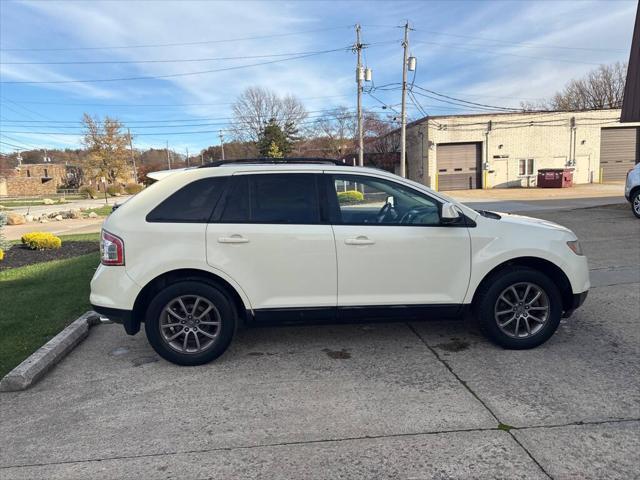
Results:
x,y
201,158
403,114
187,156
133,157
359,78
221,145
168,157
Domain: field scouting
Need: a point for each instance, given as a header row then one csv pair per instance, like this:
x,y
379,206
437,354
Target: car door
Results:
x,y
391,246
268,236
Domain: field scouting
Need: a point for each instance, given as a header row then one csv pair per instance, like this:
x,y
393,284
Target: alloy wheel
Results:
x,y
521,310
636,205
190,324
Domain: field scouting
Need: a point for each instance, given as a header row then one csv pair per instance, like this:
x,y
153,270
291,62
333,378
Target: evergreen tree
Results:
x,y
274,151
273,134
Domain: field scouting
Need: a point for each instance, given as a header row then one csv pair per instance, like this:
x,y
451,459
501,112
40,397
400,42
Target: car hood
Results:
x,y
521,220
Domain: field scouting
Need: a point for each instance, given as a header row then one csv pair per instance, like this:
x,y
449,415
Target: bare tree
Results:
x,y
600,89
337,130
256,106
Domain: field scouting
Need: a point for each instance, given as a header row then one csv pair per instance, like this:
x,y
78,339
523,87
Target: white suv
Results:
x,y
207,249
632,189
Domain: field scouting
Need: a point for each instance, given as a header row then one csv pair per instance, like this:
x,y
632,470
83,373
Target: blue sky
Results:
x,y
498,53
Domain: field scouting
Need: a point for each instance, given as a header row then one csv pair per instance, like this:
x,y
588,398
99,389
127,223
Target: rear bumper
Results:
x,y
577,300
124,317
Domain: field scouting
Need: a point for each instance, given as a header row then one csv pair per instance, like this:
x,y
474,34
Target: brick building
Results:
x,y
453,152
33,179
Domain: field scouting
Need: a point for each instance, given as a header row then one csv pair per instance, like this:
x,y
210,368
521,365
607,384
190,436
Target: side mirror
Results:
x,y
450,214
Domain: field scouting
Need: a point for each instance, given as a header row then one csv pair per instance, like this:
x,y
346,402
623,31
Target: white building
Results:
x,y
501,150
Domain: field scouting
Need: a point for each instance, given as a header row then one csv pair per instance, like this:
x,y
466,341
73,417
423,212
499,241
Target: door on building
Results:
x,y
619,152
459,166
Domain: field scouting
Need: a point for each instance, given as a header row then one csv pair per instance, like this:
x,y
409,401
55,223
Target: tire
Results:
x,y
635,203
204,315
521,332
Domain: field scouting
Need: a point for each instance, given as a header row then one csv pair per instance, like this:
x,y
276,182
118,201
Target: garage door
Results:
x,y
619,152
459,166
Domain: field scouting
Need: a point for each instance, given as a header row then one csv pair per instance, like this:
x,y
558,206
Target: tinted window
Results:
x,y
369,200
193,203
273,198
236,209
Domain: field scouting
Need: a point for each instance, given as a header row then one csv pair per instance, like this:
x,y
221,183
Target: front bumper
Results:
x,y
124,317
577,300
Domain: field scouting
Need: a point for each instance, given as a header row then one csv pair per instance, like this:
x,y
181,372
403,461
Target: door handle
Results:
x,y
359,240
233,239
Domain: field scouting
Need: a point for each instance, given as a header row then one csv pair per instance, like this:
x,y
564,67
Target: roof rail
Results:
x,y
274,161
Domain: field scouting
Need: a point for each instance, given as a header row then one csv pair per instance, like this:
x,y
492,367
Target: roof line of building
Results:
x,y
485,114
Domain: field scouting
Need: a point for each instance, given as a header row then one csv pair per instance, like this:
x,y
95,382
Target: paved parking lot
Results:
x,y
414,401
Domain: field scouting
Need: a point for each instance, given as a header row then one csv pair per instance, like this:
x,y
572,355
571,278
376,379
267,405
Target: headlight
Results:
x,y
574,245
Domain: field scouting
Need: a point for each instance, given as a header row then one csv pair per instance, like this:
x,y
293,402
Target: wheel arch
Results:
x,y
550,269
161,281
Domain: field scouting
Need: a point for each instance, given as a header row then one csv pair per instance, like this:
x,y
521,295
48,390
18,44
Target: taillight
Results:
x,y
111,249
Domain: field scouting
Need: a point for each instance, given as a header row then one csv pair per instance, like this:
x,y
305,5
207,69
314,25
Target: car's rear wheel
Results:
x,y
519,308
190,323
635,203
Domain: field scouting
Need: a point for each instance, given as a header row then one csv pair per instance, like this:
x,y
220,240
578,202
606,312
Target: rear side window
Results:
x,y
290,198
193,203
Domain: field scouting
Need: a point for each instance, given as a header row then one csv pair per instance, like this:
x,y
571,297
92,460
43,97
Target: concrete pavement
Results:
x,y
419,400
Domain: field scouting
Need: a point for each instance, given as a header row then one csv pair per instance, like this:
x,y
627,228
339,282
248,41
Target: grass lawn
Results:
x,y
29,203
39,300
103,211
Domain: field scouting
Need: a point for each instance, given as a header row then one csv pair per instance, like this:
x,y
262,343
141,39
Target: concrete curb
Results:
x,y
43,359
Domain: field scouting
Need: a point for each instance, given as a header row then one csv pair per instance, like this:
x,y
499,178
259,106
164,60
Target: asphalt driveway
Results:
x,y
414,401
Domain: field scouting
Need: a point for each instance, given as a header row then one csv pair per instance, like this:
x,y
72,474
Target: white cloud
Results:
x,y
509,72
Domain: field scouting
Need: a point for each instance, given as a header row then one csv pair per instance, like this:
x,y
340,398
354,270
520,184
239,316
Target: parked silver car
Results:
x,y
632,189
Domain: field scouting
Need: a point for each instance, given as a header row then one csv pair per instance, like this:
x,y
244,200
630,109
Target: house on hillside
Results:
x,y
501,150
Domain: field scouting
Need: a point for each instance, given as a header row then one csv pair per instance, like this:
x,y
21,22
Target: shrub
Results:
x,y
41,241
88,190
350,196
132,188
114,190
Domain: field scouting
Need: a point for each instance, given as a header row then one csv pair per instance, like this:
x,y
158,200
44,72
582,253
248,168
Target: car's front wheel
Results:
x,y
519,308
635,203
190,323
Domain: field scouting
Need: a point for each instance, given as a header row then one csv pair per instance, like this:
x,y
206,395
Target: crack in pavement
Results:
x,y
312,442
477,397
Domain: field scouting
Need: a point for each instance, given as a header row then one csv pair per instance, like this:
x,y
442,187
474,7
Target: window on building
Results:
x,y
46,172
28,173
289,198
193,203
526,167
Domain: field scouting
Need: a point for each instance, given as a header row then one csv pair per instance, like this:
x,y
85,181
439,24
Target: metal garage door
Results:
x,y
619,152
459,166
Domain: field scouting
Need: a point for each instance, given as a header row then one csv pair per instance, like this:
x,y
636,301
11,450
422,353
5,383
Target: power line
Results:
x,y
17,140
506,42
163,133
483,105
172,75
199,119
184,60
14,146
152,104
159,45
501,53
